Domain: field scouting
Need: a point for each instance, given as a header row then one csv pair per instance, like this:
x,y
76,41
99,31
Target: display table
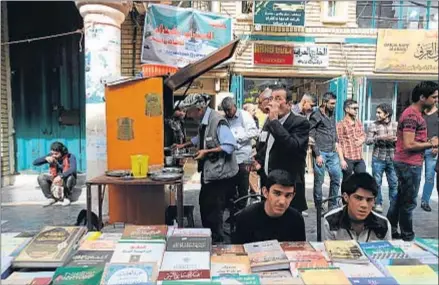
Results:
x,y
126,184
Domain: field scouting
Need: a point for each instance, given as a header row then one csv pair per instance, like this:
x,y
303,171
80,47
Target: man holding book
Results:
x,y
272,218
356,220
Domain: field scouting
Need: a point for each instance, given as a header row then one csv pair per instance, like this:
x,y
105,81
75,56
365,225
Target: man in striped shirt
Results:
x,y
382,135
351,138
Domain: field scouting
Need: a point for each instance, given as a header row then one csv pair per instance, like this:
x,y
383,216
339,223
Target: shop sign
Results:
x,y
407,51
176,36
279,13
311,56
275,55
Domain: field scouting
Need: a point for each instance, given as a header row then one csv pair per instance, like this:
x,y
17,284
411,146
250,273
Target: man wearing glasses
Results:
x,y
356,220
351,138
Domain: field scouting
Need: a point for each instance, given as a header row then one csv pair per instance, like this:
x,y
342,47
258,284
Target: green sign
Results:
x,y
279,13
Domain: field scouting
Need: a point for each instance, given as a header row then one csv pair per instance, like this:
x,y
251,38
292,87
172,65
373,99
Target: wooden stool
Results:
x,y
188,213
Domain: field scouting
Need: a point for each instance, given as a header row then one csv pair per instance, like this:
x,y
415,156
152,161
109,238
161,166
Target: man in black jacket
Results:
x,y
286,143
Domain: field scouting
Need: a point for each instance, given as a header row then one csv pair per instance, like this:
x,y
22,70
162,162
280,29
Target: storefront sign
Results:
x,y
176,36
276,55
310,56
279,13
407,51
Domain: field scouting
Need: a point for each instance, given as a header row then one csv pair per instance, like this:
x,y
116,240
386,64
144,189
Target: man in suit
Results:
x,y
286,142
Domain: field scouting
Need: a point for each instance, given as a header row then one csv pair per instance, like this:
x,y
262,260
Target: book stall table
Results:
x,y
147,184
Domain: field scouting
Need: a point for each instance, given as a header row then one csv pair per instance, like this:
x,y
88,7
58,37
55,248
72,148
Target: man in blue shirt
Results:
x,y
244,130
216,161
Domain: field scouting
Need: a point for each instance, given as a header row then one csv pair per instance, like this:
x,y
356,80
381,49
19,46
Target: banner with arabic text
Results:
x,y
311,56
177,36
407,51
279,13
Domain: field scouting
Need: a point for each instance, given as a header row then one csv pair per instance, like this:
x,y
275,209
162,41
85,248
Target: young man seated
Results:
x,y
356,220
272,218
62,173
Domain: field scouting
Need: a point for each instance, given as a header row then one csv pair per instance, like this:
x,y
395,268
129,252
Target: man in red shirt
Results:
x,y
351,137
409,155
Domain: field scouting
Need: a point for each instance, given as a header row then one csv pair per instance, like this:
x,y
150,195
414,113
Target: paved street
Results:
x,y
34,217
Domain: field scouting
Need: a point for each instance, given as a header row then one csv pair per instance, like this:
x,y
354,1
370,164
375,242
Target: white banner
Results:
x,y
310,56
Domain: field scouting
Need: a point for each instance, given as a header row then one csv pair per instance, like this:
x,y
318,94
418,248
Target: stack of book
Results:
x,y
172,256
187,256
50,248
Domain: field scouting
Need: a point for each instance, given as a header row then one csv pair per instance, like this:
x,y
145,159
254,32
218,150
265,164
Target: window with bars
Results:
x,y
397,14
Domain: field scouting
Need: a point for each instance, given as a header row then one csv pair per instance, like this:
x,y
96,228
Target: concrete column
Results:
x,y
102,36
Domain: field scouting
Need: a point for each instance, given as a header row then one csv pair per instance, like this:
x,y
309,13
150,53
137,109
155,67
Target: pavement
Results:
x,y
30,216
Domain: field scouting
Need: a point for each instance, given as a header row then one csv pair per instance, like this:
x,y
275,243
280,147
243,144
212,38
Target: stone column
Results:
x,y
102,36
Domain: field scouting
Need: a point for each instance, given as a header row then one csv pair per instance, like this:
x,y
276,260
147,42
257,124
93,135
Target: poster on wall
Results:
x,y
279,13
311,56
274,55
177,36
407,51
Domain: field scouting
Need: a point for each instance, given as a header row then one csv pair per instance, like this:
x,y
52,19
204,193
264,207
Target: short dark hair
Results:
x,y
386,108
360,180
284,88
281,177
424,88
347,103
58,146
328,96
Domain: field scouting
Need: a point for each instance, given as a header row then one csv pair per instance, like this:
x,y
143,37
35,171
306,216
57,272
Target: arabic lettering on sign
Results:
x,y
311,56
427,51
279,13
410,51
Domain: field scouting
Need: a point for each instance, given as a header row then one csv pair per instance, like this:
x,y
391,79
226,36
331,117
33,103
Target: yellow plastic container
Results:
x,y
139,165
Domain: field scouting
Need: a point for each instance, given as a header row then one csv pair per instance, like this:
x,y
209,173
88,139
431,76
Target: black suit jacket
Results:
x,y
288,152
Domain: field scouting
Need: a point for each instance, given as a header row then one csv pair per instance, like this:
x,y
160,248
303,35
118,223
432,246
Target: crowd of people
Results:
x,y
231,145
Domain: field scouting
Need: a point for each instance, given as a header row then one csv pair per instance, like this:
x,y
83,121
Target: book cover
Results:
x,y
52,244
134,233
345,251
247,279
316,263
428,244
382,264
180,265
324,276
413,274
386,253
110,236
278,277
136,273
41,281
320,247
262,246
138,252
6,266
192,232
77,275
296,246
229,264
373,281
90,258
184,243
104,245
359,270
434,267
233,249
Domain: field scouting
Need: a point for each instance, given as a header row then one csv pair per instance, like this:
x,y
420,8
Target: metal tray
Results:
x,y
172,170
118,173
166,176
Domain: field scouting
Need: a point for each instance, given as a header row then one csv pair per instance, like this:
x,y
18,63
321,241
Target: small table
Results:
x,y
102,181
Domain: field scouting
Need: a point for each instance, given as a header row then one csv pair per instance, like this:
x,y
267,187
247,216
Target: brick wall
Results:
x,y
127,33
6,152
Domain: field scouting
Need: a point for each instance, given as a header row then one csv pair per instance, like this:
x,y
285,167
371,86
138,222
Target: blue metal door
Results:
x,y
47,83
339,87
237,88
